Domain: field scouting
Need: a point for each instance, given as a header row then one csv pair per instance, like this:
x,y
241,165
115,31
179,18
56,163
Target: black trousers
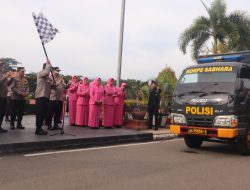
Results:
x,y
41,110
2,109
54,111
8,107
17,110
152,111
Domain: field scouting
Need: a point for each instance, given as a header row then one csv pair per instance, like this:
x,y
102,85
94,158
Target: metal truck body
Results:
x,y
211,101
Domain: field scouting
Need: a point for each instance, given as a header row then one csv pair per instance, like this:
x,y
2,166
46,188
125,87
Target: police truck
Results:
x,y
211,101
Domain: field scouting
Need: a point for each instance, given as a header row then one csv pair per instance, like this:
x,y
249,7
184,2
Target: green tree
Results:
x,y
228,32
145,93
31,77
10,64
167,75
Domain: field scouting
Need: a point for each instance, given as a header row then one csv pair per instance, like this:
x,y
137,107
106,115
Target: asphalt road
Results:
x,y
161,165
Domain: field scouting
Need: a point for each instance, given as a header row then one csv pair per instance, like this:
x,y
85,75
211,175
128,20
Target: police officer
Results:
x,y
42,95
9,95
20,89
153,105
3,94
55,101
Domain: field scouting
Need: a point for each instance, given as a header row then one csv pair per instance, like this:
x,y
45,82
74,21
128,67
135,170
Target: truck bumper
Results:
x,y
228,133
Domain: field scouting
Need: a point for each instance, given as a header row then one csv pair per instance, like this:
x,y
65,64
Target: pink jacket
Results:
x,y
72,91
110,92
83,94
96,93
121,95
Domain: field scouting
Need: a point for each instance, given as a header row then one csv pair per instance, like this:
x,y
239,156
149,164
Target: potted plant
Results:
x,y
167,75
137,108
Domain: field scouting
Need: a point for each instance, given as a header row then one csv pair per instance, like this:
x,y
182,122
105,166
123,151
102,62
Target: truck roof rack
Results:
x,y
242,56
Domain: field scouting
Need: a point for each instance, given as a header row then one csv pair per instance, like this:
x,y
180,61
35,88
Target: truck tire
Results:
x,y
244,143
193,141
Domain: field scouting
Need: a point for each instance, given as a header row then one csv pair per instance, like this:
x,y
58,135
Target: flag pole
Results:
x,y
45,52
119,68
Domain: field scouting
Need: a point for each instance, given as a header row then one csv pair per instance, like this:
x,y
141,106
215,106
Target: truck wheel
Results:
x,y
244,144
193,141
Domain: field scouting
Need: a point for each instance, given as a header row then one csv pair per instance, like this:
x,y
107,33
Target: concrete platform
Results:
x,y
17,141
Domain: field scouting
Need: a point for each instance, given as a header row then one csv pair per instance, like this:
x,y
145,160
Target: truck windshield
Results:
x,y
200,76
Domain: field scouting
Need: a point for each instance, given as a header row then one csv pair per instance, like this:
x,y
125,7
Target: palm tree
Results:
x,y
226,32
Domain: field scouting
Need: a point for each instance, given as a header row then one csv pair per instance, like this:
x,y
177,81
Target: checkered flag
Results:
x,y
45,29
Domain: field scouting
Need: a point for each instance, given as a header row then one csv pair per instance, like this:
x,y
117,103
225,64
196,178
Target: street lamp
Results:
x,y
121,43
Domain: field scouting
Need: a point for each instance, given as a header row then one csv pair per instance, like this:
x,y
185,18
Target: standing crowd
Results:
x,y
14,88
88,103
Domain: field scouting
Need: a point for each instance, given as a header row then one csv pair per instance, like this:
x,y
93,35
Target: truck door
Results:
x,y
245,93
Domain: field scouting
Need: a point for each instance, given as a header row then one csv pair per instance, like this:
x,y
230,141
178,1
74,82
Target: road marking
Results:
x,y
88,149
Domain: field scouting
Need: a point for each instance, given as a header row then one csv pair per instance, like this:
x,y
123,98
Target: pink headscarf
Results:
x,y
109,82
123,84
85,80
94,82
74,79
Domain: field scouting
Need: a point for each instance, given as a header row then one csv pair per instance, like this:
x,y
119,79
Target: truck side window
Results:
x,y
245,73
245,76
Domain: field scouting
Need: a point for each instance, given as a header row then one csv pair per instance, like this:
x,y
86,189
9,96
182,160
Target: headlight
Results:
x,y
226,121
178,118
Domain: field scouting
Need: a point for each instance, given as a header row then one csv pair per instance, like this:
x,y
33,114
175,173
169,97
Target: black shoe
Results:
x,y
118,126
41,132
50,128
3,130
156,129
56,127
94,127
108,127
20,127
12,127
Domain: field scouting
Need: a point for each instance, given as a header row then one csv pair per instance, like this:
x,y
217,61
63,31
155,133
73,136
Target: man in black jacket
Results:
x,y
154,105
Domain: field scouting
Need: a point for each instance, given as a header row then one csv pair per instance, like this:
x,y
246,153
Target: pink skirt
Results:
x,y
72,112
108,116
118,118
82,115
94,115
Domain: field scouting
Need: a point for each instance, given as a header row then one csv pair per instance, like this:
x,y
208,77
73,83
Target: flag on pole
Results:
x,y
45,29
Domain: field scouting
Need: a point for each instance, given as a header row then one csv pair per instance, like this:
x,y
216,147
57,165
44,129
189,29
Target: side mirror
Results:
x,y
167,89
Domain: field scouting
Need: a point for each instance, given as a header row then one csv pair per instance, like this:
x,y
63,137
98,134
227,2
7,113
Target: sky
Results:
x,y
88,41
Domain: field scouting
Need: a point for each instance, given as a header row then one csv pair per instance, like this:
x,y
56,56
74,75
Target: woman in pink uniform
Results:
x,y
95,103
119,105
82,105
108,104
72,93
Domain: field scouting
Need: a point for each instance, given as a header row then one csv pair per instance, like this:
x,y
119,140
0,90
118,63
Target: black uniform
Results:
x,y
153,107
19,86
42,98
55,104
3,94
9,95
